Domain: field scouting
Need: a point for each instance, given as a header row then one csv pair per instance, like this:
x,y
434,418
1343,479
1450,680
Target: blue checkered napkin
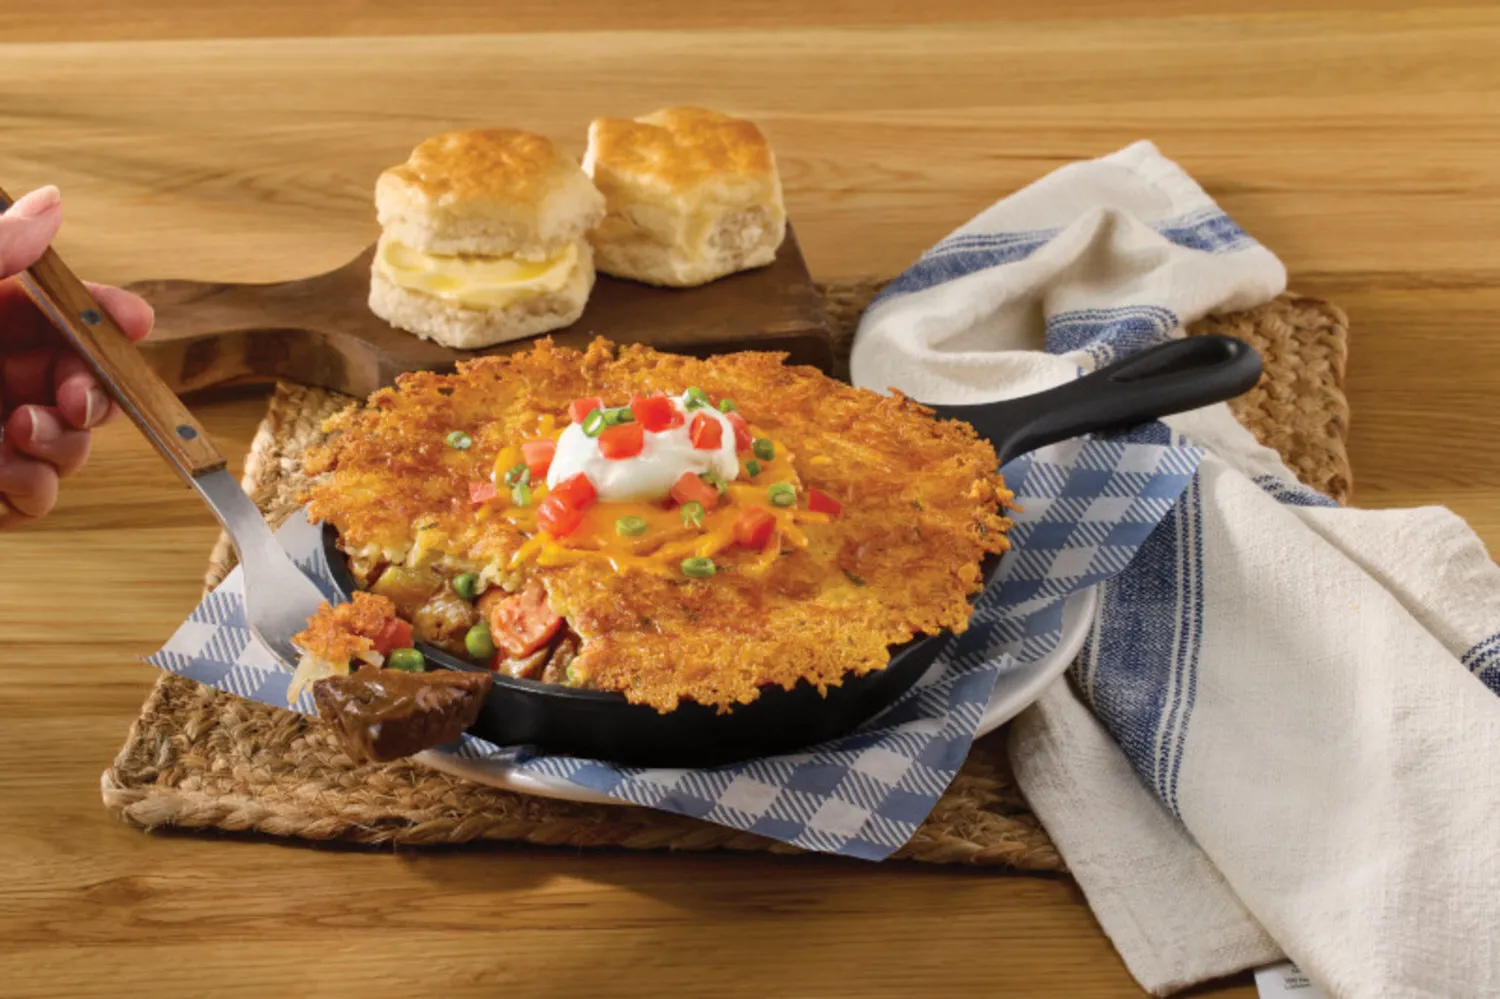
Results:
x,y
1087,507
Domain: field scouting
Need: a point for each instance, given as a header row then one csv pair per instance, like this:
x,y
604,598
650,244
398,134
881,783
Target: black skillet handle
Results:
x,y
1169,378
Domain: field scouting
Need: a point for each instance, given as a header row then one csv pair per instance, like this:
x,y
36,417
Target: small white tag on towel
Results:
x,y
1276,981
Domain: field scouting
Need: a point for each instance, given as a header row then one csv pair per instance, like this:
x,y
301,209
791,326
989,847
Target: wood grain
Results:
x,y
320,331
1354,139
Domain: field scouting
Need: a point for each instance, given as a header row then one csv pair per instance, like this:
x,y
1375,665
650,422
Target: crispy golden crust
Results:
x,y
341,633
922,506
484,165
678,148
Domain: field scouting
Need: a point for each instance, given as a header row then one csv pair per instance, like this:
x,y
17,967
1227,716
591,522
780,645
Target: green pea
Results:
x,y
631,527
593,424
692,514
520,494
478,642
764,449
752,468
698,567
726,405
459,440
406,660
781,494
518,473
466,585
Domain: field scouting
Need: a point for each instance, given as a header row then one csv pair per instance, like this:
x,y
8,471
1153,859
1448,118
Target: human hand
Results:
x,y
48,399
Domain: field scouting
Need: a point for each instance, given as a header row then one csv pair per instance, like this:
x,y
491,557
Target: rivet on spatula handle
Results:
x,y
118,366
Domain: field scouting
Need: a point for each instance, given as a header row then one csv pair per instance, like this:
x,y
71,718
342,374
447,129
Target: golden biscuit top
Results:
x,y
483,164
681,147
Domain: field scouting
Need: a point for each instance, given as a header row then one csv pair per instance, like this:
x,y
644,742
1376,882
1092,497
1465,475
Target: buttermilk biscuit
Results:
x,y
692,195
483,239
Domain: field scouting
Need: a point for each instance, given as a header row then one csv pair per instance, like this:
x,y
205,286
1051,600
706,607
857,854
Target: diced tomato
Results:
x,y
520,623
655,412
692,487
394,634
754,527
538,455
705,432
820,502
624,440
557,518
579,408
576,492
480,492
742,438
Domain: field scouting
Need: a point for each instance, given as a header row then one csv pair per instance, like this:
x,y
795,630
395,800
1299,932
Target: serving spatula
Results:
x,y
278,597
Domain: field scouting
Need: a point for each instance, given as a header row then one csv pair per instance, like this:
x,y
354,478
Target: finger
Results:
x,y
80,400
26,378
10,517
38,432
28,485
132,313
27,228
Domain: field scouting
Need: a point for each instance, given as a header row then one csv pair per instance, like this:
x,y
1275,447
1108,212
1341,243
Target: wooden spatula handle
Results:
x,y
120,368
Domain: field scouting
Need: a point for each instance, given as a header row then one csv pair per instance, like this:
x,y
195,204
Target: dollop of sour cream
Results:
x,y
650,475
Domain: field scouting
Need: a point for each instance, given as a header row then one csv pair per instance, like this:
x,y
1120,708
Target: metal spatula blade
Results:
x,y
278,596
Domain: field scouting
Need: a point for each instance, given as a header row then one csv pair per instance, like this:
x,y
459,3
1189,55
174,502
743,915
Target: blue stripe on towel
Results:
x,y
1292,493
1483,660
1139,668
1207,229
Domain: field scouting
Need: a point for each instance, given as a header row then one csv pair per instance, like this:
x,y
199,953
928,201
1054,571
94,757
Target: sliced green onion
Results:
x,y
518,474
781,494
764,449
615,417
459,441
726,405
478,642
631,527
698,567
692,514
696,398
466,585
752,468
593,424
573,679
715,480
406,660
520,494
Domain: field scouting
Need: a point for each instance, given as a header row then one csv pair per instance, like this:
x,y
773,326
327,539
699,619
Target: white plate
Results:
x,y
1014,692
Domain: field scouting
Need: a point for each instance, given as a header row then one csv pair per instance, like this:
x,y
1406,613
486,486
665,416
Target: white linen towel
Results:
x,y
1283,736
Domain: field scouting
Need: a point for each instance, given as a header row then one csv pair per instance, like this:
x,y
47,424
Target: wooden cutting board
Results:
x,y
320,331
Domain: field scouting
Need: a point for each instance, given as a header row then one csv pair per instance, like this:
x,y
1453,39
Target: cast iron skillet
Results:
x,y
1176,376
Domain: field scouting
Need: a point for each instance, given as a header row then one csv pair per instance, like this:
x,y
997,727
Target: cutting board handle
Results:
x,y
121,370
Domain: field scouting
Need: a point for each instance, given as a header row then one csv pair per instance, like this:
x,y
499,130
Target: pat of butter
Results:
x,y
473,282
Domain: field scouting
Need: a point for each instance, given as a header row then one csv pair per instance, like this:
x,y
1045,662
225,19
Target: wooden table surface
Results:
x,y
240,141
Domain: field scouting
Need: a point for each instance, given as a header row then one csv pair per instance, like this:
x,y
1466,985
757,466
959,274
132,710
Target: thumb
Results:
x,y
27,228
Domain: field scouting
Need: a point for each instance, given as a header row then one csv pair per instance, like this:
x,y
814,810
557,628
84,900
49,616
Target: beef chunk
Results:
x,y
385,714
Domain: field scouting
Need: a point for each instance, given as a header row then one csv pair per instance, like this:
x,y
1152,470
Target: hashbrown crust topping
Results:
x,y
923,505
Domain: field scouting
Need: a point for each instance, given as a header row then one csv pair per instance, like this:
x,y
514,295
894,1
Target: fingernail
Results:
x,y
38,202
95,405
43,428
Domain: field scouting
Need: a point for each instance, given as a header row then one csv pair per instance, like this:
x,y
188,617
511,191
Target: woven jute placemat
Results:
x,y
199,759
